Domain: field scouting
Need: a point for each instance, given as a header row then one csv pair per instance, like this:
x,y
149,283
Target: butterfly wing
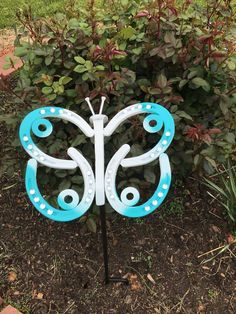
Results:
x,y
162,118
31,123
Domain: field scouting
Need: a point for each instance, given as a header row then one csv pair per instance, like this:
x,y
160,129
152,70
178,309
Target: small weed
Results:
x,y
173,208
140,221
212,294
140,257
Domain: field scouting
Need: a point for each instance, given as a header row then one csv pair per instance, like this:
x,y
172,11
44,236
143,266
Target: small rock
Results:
x,y
128,299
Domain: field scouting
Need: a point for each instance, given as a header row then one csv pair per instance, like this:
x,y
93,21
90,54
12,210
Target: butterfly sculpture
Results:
x,y
102,183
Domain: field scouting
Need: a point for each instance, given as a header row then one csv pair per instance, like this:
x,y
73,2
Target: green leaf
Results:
x,y
79,139
71,92
182,83
184,115
231,65
200,82
91,224
89,65
77,179
46,90
79,60
65,80
20,51
100,68
230,138
73,23
48,60
52,96
169,38
65,184
61,173
162,81
149,175
137,51
127,32
80,69
7,66
211,161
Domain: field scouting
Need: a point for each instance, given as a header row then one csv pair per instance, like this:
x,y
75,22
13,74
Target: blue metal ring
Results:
x,y
44,122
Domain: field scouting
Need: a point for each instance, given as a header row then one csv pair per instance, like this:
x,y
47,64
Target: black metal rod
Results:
x,y
105,249
104,241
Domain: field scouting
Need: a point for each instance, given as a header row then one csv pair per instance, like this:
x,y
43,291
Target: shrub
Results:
x,y
179,55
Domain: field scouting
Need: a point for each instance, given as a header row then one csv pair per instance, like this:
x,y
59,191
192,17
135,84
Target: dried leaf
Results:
x,y
149,277
12,276
40,296
216,229
134,283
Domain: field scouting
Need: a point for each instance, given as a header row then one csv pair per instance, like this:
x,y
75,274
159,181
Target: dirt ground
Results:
x,y
50,267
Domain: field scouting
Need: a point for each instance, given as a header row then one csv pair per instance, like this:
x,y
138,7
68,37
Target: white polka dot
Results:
x,y
108,180
125,110
32,191
90,191
147,208
109,171
112,197
90,181
168,133
165,186
36,199
61,111
50,212
41,158
25,138
154,202
52,110
158,149
152,155
164,142
89,173
87,200
109,188
42,111
160,194
133,108
42,206
139,106
36,153
30,146
148,106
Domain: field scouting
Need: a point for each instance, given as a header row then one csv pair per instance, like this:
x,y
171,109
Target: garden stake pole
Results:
x,y
105,249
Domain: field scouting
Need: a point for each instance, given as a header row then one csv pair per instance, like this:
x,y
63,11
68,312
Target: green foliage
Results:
x,y
179,55
225,190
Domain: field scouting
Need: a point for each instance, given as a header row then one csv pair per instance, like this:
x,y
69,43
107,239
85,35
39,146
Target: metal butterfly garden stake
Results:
x,y
100,184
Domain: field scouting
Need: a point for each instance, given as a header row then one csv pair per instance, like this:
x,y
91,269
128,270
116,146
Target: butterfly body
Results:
x,y
100,184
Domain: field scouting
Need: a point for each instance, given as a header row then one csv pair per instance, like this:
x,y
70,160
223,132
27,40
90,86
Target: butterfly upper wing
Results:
x,y
163,119
31,123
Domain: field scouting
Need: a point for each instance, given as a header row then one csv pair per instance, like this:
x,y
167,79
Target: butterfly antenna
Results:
x,y
90,106
102,104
